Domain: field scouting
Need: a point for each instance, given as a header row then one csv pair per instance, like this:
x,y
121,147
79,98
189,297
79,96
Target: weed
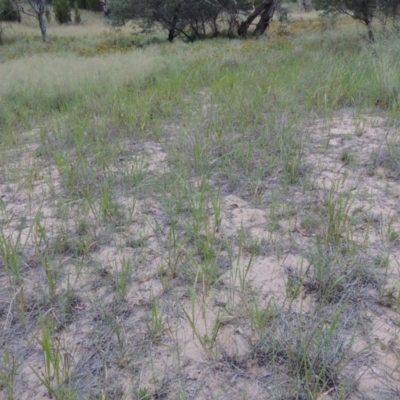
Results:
x,y
310,223
390,297
335,277
121,278
345,156
56,374
339,224
313,355
381,261
8,372
142,394
208,340
155,323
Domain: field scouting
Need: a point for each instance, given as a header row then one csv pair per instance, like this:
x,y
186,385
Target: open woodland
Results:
x,y
208,220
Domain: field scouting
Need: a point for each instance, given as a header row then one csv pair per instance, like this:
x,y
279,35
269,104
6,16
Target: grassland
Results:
x,y
199,221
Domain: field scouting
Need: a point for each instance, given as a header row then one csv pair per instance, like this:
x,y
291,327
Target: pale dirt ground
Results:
x,y
177,356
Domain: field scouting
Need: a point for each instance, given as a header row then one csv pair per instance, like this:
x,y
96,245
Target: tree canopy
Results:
x,y
194,19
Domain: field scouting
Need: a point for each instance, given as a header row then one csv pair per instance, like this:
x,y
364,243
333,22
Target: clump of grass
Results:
x,y
155,323
339,218
121,278
308,349
8,372
142,394
390,297
56,373
345,156
69,244
310,222
387,156
335,277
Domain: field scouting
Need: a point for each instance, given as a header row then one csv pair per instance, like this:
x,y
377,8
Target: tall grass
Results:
x,y
335,76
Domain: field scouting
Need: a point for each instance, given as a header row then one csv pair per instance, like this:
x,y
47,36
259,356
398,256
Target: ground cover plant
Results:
x,y
214,220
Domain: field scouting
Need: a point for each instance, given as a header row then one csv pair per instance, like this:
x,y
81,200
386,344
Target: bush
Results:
x,y
62,11
92,5
77,14
8,11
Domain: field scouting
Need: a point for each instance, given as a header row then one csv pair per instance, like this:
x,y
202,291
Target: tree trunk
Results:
x,y
172,29
265,19
371,36
106,7
303,5
39,8
266,9
42,25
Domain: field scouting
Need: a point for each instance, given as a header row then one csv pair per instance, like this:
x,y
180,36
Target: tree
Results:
x,y
389,10
39,8
105,4
189,19
265,11
196,19
62,11
362,10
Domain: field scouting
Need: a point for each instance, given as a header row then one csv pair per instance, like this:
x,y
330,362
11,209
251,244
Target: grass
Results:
x,y
221,212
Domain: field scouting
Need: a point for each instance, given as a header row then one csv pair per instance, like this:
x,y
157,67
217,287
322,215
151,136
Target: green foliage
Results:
x,y
187,19
62,11
77,14
92,5
8,11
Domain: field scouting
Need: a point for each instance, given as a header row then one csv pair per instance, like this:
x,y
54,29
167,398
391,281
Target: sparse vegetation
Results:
x,y
216,219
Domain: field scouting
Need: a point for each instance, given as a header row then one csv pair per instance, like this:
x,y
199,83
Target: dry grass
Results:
x,y
45,77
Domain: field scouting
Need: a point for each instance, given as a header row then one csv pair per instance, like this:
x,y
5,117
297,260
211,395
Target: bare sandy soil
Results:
x,y
346,155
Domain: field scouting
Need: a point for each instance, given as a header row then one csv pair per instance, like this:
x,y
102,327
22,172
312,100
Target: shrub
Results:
x,y
92,5
9,11
62,11
77,14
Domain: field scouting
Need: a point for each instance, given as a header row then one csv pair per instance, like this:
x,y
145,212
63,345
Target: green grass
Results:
x,y
222,211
